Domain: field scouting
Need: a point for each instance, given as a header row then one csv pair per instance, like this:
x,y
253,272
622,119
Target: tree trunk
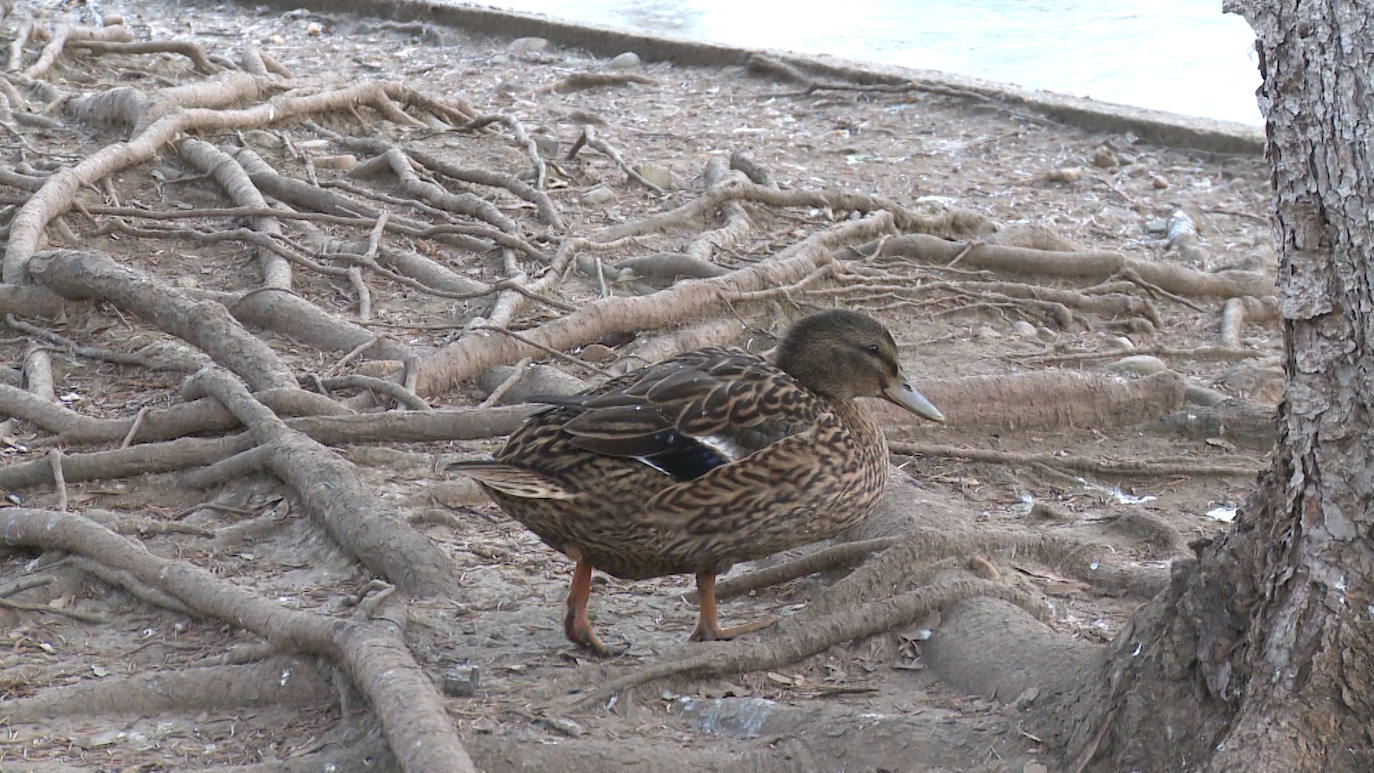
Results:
x,y
1260,656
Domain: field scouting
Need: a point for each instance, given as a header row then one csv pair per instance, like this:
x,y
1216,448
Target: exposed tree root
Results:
x,y
1239,421
279,680
1142,469
1072,265
83,274
1198,354
791,643
372,653
735,190
591,140
1052,399
833,557
186,48
176,421
58,191
1043,660
332,493
125,462
1238,311
737,225
474,353
523,139
71,34
579,81
649,350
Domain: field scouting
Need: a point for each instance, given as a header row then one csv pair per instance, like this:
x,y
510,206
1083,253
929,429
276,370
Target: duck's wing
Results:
x,y
690,414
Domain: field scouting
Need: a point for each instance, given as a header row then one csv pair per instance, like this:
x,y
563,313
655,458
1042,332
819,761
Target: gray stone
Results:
x,y
598,196
626,61
462,681
1138,365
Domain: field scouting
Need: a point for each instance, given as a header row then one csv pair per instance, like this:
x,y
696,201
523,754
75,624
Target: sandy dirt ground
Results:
x,y
1088,308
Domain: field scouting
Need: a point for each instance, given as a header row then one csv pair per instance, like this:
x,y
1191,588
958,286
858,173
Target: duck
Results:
x,y
707,459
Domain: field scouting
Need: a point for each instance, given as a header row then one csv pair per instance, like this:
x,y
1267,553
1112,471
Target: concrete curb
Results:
x,y
1157,126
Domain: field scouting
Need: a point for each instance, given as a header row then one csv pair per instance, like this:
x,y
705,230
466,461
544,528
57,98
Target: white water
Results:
x,y
1183,56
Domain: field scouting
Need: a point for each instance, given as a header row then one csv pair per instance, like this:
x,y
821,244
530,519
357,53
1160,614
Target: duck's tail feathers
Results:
x,y
513,481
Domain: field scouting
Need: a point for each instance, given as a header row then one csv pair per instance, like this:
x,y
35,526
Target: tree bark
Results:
x,y
1261,654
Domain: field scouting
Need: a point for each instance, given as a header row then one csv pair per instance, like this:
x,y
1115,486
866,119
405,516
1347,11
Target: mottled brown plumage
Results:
x,y
706,459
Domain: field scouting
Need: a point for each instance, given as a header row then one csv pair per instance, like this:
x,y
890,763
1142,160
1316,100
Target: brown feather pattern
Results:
x,y
808,467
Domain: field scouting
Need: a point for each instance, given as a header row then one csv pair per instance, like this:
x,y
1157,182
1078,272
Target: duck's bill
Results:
x,y
902,394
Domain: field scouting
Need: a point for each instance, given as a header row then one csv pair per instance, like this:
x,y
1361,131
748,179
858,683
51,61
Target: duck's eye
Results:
x,y
871,348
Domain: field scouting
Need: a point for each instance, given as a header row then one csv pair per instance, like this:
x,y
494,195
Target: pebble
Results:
x,y
1159,181
1034,767
985,333
1122,342
527,46
1105,159
1023,329
658,175
1045,334
1201,395
1027,697
343,162
1069,174
261,139
1138,365
462,681
598,196
596,353
626,61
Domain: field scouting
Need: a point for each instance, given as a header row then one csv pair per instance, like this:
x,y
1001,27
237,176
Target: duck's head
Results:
x,y
843,354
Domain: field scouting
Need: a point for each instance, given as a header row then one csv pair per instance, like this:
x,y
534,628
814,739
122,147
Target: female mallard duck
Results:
x,y
706,459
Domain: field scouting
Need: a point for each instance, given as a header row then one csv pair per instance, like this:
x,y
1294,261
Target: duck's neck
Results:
x,y
866,430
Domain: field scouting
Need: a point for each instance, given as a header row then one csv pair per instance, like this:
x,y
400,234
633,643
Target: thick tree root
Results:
x,y
287,680
1071,265
1131,469
793,642
372,653
332,493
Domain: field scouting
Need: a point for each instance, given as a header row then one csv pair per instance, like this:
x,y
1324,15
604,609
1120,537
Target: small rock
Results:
x,y
1122,342
1159,181
1068,174
1157,226
107,738
596,353
1026,698
261,139
563,725
1045,334
1023,329
462,681
1105,159
1138,365
985,333
314,29
483,726
527,46
342,162
658,175
598,196
626,61
1034,767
